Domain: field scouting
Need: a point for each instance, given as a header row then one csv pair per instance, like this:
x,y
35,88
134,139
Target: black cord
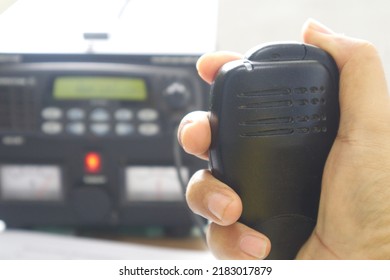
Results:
x,y
199,222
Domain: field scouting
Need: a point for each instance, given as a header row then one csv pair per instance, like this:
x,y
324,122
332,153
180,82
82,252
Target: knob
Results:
x,y
177,95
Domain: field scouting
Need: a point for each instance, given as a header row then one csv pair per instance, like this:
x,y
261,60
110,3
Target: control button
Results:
x,y
149,129
52,128
100,129
92,162
124,129
99,115
75,128
177,95
75,114
147,115
123,115
51,113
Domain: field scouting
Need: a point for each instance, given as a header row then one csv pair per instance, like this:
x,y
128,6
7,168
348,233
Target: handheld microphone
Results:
x,y
274,117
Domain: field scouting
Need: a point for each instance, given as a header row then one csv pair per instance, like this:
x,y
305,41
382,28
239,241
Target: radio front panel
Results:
x,y
88,141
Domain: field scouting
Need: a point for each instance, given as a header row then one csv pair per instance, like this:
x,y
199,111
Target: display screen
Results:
x,y
30,182
98,87
158,183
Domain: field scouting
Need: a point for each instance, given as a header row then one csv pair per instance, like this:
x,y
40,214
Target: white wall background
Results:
x,y
4,4
243,24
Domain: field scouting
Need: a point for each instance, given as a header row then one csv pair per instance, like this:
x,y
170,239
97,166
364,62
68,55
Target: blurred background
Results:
x,y
167,35
244,24
257,21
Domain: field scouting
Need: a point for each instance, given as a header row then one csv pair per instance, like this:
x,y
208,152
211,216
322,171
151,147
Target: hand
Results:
x,y
354,213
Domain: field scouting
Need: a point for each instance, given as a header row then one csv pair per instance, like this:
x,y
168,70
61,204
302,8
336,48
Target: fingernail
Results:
x,y
217,204
317,26
254,246
198,62
180,130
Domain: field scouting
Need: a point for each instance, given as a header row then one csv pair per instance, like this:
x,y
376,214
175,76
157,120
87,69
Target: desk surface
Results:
x,y
188,243
22,245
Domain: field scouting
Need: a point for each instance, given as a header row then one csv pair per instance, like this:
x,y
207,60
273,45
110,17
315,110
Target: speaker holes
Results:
x,y
266,92
304,118
316,117
267,104
273,113
269,132
302,102
285,131
278,120
284,125
316,129
313,89
300,90
303,130
315,101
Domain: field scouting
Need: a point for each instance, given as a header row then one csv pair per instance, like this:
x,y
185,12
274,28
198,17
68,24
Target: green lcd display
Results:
x,y
96,87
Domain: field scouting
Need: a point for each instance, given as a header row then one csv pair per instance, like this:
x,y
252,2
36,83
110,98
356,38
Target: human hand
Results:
x,y
354,212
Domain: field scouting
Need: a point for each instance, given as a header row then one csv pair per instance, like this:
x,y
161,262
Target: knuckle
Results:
x,y
196,185
365,50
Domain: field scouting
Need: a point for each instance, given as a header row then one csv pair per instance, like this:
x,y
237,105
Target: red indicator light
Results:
x,y
93,162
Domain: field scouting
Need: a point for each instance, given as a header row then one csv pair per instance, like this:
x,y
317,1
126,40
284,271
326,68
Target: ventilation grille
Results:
x,y
282,111
17,109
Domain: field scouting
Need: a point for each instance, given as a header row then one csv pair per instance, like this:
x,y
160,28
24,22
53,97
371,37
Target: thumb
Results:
x,y
364,99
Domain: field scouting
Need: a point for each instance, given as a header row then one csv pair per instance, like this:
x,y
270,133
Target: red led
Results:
x,y
93,162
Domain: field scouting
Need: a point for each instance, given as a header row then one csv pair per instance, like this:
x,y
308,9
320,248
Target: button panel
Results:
x,y
147,115
52,128
75,114
51,113
101,122
148,129
123,114
99,115
124,129
75,128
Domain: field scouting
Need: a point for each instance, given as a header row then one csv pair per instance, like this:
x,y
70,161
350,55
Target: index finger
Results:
x,y
209,64
194,133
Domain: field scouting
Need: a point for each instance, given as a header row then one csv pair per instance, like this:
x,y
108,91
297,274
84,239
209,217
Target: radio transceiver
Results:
x,y
274,117
87,139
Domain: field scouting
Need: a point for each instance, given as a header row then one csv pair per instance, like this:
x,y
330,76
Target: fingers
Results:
x,y
237,241
218,203
194,134
343,49
212,199
209,64
194,130
363,87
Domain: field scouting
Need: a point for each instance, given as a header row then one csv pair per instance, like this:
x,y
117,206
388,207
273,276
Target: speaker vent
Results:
x,y
282,111
17,109
267,104
269,132
266,92
277,120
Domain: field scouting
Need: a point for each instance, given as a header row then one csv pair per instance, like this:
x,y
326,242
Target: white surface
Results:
x,y
133,26
23,245
5,4
247,23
